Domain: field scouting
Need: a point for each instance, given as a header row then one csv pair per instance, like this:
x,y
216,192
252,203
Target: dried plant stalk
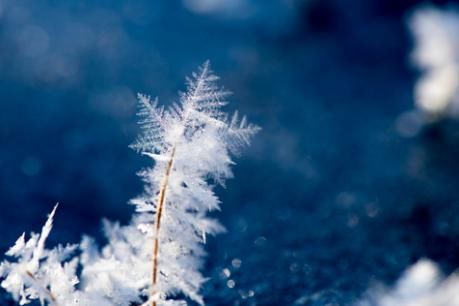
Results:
x,y
159,212
48,292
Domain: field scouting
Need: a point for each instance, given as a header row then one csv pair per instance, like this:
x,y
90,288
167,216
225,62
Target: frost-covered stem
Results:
x,y
159,212
46,290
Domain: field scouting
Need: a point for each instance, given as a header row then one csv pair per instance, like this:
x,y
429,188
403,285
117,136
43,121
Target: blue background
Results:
x,y
327,201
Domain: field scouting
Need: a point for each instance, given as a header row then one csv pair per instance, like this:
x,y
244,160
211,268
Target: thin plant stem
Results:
x,y
48,292
159,213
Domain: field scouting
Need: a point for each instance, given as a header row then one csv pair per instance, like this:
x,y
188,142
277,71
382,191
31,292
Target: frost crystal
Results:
x,y
160,253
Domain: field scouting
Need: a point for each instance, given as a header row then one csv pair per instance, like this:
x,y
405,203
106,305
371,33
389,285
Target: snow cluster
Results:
x,y
436,54
421,285
158,255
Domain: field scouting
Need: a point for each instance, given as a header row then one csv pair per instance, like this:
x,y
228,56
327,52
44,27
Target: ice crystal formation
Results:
x,y
158,255
39,273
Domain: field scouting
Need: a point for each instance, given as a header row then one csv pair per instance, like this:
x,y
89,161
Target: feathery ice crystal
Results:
x,y
158,255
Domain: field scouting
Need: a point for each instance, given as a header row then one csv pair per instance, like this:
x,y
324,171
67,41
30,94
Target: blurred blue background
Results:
x,y
329,198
